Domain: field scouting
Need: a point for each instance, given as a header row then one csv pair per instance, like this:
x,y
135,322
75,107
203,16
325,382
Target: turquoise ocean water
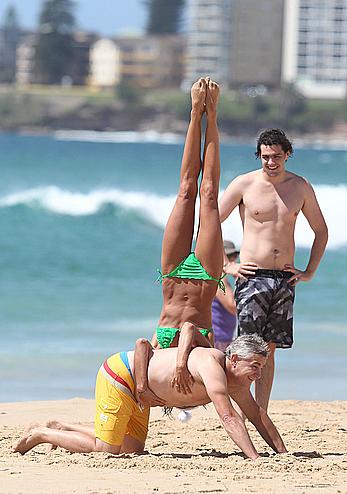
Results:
x,y
81,225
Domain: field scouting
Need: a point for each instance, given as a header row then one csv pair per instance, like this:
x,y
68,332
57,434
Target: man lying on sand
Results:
x,y
121,425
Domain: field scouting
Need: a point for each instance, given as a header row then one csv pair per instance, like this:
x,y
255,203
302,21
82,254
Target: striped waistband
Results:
x,y
115,379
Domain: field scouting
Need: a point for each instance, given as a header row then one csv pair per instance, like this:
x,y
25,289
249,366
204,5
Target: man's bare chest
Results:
x,y
272,204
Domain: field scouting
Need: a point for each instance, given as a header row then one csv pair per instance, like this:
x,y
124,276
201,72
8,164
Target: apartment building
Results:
x,y
77,70
139,61
208,41
315,47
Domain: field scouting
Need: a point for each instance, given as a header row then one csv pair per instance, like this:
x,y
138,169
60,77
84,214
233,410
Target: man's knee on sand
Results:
x,y
129,445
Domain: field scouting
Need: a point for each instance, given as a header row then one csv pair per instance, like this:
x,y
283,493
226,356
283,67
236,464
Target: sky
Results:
x,y
106,17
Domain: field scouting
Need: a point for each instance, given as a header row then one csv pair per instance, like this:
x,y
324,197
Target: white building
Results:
x,y
105,58
315,47
25,60
208,41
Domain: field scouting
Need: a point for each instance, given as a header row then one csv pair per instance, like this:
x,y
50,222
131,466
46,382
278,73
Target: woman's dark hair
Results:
x,y
273,137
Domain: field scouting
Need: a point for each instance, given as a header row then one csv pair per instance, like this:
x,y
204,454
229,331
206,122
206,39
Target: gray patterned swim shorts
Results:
x,y
265,306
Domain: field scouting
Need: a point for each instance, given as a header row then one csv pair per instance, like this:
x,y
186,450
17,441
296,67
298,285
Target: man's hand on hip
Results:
x,y
298,275
240,270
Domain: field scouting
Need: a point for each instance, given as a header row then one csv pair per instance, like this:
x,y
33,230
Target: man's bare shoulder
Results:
x,y
244,180
248,177
201,356
298,180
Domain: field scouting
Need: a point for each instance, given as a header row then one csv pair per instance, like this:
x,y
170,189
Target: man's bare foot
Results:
x,y
50,424
55,424
212,96
29,440
198,95
27,430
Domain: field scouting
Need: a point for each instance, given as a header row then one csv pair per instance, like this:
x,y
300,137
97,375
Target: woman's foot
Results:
x,y
212,96
198,95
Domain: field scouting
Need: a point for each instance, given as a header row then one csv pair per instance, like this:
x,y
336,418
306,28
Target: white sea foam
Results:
x,y
120,137
156,208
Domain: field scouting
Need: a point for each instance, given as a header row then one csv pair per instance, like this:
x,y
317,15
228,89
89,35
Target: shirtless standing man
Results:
x,y
269,202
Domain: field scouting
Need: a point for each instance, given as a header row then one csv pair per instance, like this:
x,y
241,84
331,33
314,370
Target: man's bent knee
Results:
x,y
132,445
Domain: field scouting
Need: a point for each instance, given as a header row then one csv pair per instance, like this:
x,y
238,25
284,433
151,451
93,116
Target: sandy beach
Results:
x,y
182,458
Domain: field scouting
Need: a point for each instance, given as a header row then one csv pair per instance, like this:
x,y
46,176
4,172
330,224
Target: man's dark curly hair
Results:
x,y
273,137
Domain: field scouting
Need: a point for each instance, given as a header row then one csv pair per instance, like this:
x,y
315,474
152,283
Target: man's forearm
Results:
x,y
237,431
268,431
317,251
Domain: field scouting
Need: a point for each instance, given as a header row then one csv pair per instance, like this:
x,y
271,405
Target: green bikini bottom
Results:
x,y
165,336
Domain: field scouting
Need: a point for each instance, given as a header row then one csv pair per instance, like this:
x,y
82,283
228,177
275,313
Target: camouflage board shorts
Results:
x,y
265,306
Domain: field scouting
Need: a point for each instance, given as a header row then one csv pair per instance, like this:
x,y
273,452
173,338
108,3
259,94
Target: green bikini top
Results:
x,y
191,268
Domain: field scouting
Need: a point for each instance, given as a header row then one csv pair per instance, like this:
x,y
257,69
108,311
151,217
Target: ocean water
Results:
x,y
81,224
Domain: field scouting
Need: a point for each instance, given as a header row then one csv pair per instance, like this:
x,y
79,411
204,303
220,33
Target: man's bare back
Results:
x,y
161,370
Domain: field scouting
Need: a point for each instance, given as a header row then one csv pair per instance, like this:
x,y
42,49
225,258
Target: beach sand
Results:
x,y
182,458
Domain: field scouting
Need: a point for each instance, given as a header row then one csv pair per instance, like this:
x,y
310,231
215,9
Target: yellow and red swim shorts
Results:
x,y
117,412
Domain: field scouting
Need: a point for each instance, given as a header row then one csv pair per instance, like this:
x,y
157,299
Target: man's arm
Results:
x,y
260,420
227,298
189,337
314,216
231,198
142,355
214,379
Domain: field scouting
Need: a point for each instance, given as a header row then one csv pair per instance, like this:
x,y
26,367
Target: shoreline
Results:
x,y
319,141
191,458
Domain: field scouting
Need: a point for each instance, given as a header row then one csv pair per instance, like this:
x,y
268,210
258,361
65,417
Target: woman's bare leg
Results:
x,y
209,243
178,235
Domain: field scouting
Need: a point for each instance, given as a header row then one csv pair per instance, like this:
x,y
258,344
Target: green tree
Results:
x,y
164,17
261,107
10,32
292,102
54,50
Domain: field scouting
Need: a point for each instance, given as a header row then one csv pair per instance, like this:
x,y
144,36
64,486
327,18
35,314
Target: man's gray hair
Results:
x,y
246,345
